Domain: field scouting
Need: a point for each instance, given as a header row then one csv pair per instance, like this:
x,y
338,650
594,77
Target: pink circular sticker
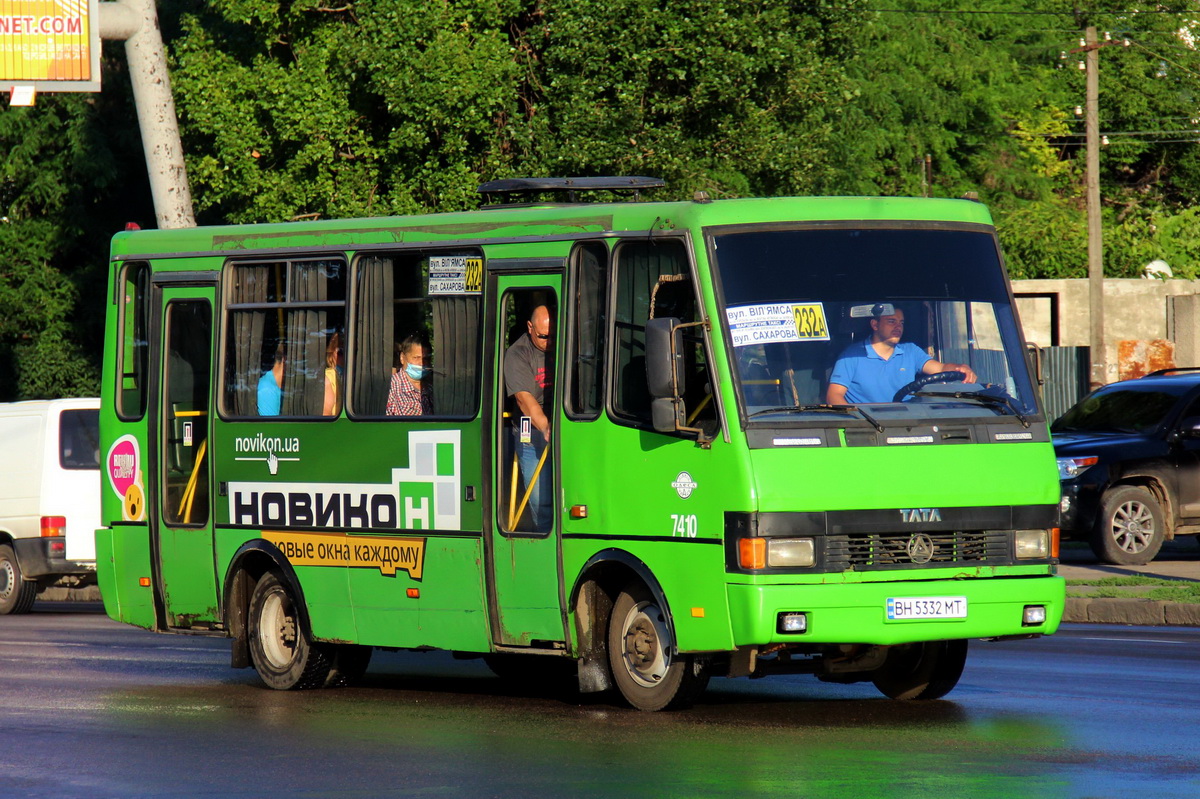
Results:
x,y
123,464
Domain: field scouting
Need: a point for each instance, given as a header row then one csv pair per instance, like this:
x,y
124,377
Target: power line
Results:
x,y
1139,45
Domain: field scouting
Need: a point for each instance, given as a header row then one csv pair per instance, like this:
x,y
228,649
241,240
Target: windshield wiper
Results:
x,y
842,409
987,399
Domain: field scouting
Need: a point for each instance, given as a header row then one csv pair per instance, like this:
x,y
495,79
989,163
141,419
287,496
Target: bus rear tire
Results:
x,y
283,654
648,676
16,595
927,670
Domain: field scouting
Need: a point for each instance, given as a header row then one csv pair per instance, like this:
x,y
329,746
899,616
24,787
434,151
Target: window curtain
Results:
x,y
456,344
250,284
307,337
374,336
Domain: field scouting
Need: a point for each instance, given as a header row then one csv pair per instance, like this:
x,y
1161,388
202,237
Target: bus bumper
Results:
x,y
857,613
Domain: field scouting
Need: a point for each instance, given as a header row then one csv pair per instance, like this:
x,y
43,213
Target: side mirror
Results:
x,y
664,358
1036,358
1190,427
667,414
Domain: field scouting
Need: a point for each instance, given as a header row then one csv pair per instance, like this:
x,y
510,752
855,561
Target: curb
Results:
x,y
1144,612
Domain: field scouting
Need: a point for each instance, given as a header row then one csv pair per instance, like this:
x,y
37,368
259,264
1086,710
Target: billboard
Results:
x,y
49,45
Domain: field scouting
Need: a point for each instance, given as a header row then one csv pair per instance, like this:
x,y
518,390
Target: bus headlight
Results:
x,y
1032,544
784,552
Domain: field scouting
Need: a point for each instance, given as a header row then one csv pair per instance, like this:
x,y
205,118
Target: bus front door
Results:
x,y
183,535
525,585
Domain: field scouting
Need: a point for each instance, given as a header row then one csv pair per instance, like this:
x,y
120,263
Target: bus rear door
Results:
x,y
183,534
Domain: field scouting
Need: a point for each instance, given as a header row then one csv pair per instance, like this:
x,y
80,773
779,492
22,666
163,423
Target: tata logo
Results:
x,y
913,515
921,548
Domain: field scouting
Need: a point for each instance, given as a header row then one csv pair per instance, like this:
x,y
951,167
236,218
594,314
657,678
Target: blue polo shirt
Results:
x,y
269,396
869,378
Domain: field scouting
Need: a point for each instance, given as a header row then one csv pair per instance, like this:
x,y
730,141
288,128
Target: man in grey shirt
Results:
x,y
526,380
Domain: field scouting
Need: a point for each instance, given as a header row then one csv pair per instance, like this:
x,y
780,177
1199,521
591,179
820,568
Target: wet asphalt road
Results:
x,y
91,708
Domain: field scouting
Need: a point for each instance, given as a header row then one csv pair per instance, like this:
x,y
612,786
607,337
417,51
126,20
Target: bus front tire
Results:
x,y
283,654
648,676
16,595
927,670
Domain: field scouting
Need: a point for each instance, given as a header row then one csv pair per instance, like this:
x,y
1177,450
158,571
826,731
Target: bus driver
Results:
x,y
875,369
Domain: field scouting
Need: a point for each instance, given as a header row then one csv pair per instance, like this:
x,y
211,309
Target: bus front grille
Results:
x,y
867,551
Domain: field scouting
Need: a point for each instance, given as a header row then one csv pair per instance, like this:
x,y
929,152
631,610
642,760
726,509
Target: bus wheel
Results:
x,y
639,652
928,670
16,595
282,652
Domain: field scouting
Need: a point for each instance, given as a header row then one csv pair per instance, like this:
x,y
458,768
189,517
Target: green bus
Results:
x,y
320,438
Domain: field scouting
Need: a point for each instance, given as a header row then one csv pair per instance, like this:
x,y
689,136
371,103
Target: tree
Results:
x,y
72,173
397,106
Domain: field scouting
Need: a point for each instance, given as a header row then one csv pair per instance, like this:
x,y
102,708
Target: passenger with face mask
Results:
x,y
409,394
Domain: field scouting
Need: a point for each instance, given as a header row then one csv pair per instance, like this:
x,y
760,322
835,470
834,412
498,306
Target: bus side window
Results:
x,y
294,309
134,346
434,299
589,328
655,277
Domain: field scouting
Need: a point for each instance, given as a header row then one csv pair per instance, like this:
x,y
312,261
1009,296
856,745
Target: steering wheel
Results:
x,y
924,380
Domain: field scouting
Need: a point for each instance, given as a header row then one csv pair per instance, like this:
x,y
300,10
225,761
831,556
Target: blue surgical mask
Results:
x,y
414,371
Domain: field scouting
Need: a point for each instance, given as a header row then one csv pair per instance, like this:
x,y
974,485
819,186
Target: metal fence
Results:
x,y
1065,371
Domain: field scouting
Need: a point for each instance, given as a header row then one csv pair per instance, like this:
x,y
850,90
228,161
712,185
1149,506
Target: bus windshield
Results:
x,y
803,308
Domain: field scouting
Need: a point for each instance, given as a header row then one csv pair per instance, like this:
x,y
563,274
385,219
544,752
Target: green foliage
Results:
x,y
734,98
308,108
391,106
1042,239
66,184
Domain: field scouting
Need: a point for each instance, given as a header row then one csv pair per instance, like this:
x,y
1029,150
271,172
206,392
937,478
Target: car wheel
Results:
x,y
16,594
1129,528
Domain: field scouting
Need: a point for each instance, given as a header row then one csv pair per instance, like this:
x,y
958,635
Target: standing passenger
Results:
x,y
526,380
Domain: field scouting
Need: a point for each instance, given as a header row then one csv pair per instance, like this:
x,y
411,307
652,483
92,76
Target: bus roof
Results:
x,y
540,220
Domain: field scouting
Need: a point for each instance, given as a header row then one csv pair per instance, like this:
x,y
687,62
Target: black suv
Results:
x,y
1129,461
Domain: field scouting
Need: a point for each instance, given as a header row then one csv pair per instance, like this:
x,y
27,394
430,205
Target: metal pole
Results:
x,y
136,21
1099,374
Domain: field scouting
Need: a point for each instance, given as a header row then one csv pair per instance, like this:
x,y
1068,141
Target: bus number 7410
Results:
x,y
683,525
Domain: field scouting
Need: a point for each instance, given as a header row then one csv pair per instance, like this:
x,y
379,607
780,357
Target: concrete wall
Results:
x,y
1157,321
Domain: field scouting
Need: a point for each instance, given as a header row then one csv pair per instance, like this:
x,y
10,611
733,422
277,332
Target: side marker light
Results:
x,y
752,553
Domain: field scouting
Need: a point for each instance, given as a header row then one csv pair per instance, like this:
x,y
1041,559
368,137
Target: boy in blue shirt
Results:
x,y
270,386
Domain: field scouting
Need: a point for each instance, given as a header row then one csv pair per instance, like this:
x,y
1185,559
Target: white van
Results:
x,y
49,497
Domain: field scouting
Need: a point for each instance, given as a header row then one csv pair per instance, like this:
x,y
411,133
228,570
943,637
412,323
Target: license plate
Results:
x,y
926,607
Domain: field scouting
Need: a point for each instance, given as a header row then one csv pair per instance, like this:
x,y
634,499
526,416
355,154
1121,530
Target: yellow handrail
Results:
x,y
189,492
513,517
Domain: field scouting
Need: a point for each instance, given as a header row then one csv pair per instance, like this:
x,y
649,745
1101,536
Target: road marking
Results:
x,y
1131,640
